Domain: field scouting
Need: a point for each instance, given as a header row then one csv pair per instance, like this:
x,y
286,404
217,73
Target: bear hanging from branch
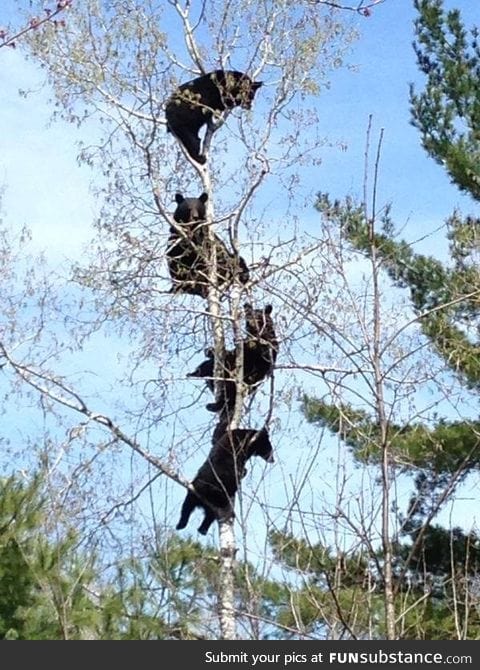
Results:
x,y
202,101
219,477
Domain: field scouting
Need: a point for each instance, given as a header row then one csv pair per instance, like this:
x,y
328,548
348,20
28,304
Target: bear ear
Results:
x,y
256,84
268,309
179,198
203,197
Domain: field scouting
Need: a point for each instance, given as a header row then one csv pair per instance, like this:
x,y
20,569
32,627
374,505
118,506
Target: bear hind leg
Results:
x,y
207,522
189,504
191,142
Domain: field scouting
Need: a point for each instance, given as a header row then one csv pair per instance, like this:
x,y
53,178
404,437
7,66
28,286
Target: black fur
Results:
x,y
190,210
260,349
203,99
218,479
189,251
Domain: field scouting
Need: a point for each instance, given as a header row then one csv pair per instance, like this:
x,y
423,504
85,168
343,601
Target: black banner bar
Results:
x,y
243,655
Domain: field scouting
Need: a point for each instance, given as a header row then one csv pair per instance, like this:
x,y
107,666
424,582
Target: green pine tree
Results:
x,y
447,111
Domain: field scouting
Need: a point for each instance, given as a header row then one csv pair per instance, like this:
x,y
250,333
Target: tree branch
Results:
x,y
33,24
364,7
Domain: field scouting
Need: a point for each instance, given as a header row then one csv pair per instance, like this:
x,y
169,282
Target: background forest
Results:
x,y
365,525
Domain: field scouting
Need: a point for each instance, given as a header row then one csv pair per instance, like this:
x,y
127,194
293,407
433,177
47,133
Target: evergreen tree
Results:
x,y
17,518
42,580
447,111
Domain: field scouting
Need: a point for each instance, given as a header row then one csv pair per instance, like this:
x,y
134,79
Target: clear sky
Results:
x,y
43,186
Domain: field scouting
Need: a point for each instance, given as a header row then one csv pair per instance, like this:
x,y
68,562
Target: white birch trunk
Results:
x,y
226,598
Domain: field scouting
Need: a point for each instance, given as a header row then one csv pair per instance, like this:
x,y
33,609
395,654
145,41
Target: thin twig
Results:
x,y
34,24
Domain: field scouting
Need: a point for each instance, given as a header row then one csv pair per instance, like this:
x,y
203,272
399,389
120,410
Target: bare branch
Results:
x,y
364,7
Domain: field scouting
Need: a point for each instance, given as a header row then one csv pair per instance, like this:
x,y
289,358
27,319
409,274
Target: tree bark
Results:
x,y
226,602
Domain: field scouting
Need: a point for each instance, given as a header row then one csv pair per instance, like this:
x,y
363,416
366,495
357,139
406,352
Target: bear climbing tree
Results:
x,y
239,148
199,264
218,479
202,101
190,250
257,353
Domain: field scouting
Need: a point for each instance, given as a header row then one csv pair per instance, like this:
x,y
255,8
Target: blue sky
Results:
x,y
44,187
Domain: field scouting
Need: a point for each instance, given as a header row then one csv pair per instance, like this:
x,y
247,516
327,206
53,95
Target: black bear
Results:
x,y
189,251
260,349
218,479
202,100
190,210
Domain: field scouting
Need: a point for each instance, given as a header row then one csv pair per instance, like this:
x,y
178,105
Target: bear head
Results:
x,y
259,323
238,90
190,209
261,446
244,442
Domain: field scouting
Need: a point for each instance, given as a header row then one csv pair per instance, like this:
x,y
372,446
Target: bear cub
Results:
x,y
218,479
260,350
202,100
189,251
